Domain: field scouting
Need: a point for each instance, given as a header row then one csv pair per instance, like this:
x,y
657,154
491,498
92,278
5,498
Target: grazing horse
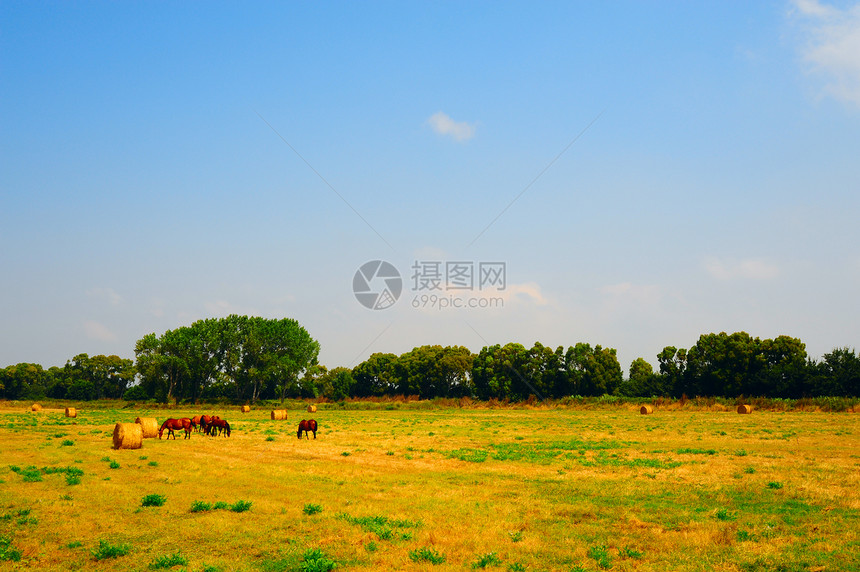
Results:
x,y
171,424
205,420
221,425
195,422
307,425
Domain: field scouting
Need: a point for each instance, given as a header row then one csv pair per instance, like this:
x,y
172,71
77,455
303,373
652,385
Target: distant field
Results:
x,y
435,489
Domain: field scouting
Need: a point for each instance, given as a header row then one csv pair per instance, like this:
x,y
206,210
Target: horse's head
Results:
x,y
227,428
160,432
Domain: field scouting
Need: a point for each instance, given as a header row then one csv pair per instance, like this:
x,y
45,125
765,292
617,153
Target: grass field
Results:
x,y
435,489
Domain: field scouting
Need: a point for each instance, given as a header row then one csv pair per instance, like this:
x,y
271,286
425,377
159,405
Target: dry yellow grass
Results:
x,y
558,481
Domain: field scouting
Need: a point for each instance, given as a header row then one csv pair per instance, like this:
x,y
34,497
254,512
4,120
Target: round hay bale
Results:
x,y
149,426
36,407
312,408
646,410
128,436
71,412
246,408
744,409
279,414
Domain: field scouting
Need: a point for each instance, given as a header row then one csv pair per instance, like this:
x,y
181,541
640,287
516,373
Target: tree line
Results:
x,y
245,359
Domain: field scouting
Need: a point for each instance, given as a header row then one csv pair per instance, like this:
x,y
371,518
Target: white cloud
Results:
x,y
749,269
638,293
108,294
97,331
442,124
832,46
529,292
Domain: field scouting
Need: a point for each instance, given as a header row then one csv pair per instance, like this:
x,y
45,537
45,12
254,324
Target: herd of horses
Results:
x,y
215,426
209,425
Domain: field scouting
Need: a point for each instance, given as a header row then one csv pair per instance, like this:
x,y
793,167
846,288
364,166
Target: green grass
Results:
x,y
426,554
485,560
7,551
153,500
107,550
200,506
315,560
310,509
168,561
600,555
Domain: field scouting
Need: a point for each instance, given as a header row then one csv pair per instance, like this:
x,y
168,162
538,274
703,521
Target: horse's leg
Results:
x,y
315,433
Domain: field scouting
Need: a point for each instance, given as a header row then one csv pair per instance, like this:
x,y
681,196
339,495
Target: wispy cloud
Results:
x,y
442,124
748,269
108,294
832,46
528,292
96,331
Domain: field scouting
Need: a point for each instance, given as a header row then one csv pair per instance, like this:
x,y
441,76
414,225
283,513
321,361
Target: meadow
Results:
x,y
396,487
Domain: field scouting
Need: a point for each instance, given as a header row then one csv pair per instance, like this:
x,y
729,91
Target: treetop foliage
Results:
x,y
243,358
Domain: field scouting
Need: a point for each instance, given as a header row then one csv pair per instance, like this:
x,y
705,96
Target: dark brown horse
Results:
x,y
195,422
205,420
307,425
217,427
171,424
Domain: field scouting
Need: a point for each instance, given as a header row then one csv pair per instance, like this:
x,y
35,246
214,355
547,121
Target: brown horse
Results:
x,y
307,425
171,424
220,425
195,422
205,420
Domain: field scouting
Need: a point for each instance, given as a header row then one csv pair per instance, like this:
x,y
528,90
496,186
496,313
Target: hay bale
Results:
x,y
128,436
312,408
36,407
149,426
71,412
246,408
279,414
744,409
646,410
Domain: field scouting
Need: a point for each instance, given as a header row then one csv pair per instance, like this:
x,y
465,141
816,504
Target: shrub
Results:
x,y
67,443
7,551
114,465
774,485
316,561
168,561
312,509
487,560
600,555
200,506
241,506
153,500
426,554
107,550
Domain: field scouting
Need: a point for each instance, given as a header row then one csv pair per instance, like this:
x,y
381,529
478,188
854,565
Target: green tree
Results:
x,y
374,376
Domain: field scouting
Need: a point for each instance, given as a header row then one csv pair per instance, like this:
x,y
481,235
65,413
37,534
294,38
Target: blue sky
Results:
x,y
647,171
